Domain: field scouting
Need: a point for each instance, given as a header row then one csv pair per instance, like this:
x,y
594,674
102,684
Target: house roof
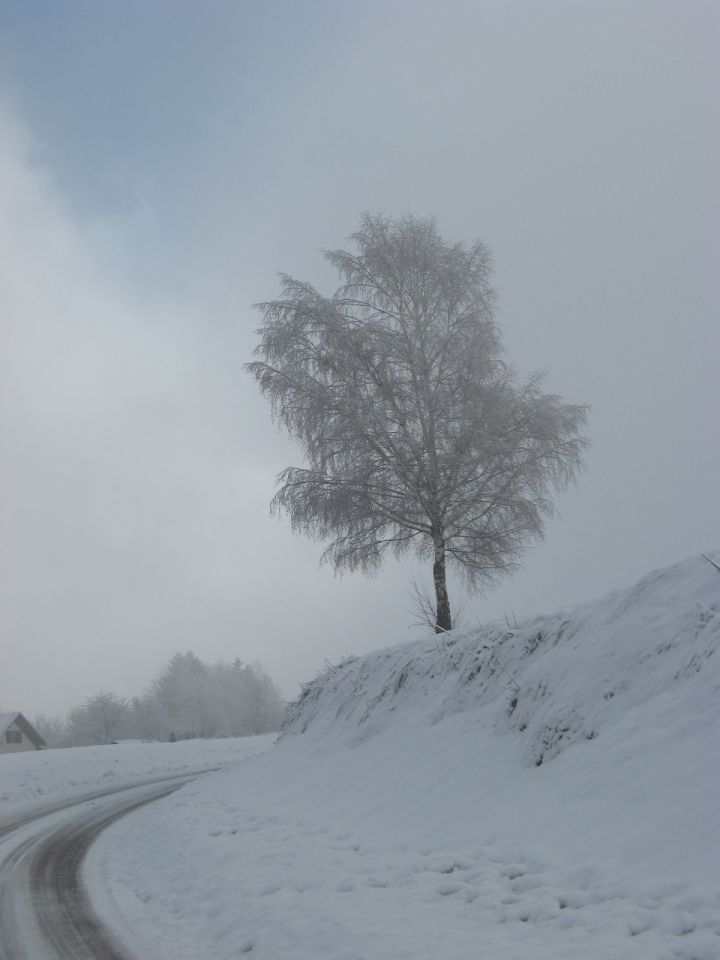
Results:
x,y
6,719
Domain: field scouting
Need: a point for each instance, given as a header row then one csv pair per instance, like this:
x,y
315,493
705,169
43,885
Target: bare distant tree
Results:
x,y
99,720
417,433
51,729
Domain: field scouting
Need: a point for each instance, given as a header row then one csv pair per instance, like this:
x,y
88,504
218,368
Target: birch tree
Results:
x,y
417,433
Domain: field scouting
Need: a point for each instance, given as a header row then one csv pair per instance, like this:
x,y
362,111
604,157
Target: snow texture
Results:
x,y
543,792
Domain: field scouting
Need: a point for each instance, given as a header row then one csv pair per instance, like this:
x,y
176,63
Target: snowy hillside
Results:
x,y
556,679
545,792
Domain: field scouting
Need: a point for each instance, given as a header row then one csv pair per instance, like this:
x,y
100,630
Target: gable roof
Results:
x,y
6,719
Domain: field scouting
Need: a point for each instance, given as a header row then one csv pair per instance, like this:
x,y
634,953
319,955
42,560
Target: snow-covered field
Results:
x,y
32,779
539,793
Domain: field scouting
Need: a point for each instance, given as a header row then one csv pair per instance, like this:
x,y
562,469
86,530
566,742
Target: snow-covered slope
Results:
x,y
548,791
556,680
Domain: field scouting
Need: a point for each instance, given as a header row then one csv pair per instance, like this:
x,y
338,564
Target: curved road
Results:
x,y
45,911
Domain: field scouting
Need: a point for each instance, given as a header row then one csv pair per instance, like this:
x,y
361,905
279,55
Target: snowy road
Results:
x,y
45,911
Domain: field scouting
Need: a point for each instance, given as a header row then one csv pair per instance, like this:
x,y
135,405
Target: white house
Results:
x,y
16,734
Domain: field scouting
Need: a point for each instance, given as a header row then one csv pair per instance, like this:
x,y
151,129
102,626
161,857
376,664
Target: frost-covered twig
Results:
x,y
516,685
705,557
425,614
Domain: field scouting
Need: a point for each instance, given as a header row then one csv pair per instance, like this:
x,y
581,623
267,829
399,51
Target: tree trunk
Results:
x,y
442,612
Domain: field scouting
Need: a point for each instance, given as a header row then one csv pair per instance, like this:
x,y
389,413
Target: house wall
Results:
x,y
25,742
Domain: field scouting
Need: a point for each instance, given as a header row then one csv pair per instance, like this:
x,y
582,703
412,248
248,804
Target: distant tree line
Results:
x,y
188,699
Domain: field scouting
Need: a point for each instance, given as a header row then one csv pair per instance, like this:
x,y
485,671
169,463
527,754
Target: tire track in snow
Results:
x,y
45,910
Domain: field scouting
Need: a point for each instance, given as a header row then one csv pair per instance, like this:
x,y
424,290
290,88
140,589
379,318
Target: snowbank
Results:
x,y
543,792
556,679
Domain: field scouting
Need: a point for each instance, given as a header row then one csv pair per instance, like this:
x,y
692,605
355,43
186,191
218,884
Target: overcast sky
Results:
x,y
161,162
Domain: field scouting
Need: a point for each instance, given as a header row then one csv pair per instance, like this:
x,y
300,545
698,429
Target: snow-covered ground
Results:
x,y
35,778
539,793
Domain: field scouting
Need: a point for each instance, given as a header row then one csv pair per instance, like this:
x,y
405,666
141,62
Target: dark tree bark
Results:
x,y
443,620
